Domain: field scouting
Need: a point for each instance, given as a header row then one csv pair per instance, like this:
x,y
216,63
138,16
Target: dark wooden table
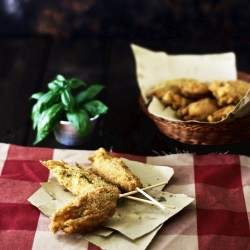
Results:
x,y
27,64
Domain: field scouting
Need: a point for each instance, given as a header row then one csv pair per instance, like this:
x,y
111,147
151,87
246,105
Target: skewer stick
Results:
x,y
151,198
145,188
147,201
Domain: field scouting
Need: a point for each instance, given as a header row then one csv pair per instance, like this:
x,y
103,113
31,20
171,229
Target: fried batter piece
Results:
x,y
199,110
76,179
220,114
229,92
175,100
160,89
194,89
84,213
113,170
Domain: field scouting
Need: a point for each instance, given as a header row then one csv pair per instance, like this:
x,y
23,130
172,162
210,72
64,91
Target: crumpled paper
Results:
x,y
153,68
134,224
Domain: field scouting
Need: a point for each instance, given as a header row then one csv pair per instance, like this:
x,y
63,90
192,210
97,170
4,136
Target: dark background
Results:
x,y
221,21
91,40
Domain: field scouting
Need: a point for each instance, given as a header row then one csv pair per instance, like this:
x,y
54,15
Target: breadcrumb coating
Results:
x,y
78,180
84,213
113,170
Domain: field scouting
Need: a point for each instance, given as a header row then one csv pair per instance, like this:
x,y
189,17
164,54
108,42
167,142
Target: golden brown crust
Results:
x,y
160,89
194,89
195,100
220,114
176,101
113,170
84,213
199,110
229,92
78,180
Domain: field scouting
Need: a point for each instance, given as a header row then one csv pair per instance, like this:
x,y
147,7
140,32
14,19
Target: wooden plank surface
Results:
x,y
28,64
21,70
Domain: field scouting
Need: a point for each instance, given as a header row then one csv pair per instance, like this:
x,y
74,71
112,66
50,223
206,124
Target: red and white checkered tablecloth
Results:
x,y
217,220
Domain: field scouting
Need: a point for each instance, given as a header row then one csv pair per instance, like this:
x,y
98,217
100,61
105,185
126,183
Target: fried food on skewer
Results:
x,y
84,213
76,179
113,170
95,203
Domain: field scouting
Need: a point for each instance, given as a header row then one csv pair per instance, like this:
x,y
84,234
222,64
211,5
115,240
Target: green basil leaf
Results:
x,y
56,86
81,121
47,100
38,139
89,94
36,119
95,107
48,120
35,116
60,78
75,83
67,99
37,95
34,111
50,117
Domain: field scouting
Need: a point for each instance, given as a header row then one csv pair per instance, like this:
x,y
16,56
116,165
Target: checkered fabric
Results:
x,y
218,219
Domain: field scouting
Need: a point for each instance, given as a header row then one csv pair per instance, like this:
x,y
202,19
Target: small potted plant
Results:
x,y
59,106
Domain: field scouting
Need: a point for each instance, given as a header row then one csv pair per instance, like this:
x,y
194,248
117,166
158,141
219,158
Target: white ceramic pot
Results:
x,y
66,134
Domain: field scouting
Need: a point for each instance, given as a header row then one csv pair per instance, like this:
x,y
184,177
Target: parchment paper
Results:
x,y
134,224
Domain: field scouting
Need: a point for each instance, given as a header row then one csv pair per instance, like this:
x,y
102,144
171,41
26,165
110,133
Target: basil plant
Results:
x,y
59,104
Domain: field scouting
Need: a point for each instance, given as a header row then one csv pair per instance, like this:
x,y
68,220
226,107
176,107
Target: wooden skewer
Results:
x,y
147,201
151,198
145,188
